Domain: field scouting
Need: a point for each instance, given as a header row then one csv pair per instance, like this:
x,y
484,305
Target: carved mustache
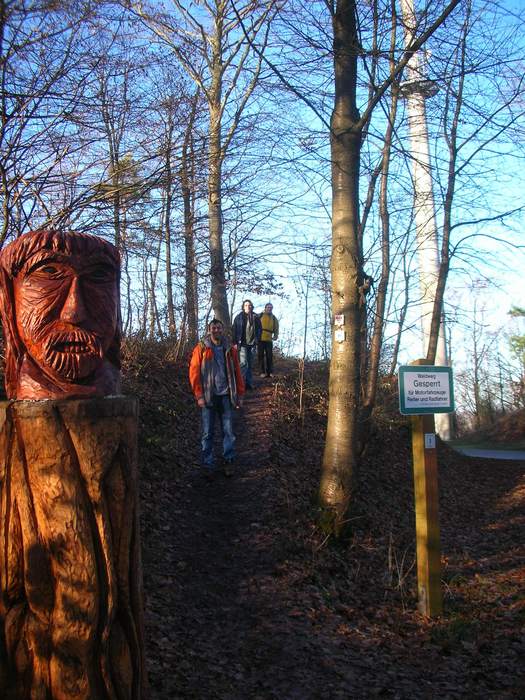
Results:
x,y
75,341
72,353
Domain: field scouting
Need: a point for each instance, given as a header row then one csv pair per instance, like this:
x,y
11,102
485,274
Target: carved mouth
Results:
x,y
72,346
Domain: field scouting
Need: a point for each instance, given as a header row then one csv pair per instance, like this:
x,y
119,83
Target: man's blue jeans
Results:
x,y
246,353
222,409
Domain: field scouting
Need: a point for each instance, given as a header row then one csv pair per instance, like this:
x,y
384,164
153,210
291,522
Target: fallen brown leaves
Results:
x,y
245,598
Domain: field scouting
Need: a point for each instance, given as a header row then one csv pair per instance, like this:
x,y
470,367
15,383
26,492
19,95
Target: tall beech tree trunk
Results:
x,y
219,299
349,284
71,579
339,457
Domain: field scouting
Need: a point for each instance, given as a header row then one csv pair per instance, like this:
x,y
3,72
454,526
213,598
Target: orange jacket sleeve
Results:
x,y
195,372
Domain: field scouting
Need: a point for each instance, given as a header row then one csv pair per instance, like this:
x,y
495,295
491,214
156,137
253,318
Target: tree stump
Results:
x,y
70,572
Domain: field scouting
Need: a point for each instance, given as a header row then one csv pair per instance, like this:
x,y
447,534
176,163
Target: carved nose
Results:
x,y
74,310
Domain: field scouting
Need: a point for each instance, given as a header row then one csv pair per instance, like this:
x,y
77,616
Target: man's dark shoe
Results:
x,y
208,474
227,467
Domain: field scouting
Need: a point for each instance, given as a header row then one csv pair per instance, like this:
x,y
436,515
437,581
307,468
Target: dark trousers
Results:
x,y
265,354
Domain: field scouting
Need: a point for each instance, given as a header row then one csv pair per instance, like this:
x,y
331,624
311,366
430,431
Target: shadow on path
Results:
x,y
234,631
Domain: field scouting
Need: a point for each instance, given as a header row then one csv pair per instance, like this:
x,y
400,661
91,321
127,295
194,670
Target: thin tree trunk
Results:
x,y
172,327
400,325
437,312
151,304
146,295
477,363
129,312
382,288
113,139
187,176
303,359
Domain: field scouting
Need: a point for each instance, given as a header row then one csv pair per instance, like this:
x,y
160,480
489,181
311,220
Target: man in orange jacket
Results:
x,y
218,386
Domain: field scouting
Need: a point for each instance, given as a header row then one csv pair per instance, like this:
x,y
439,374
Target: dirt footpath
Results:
x,y
222,617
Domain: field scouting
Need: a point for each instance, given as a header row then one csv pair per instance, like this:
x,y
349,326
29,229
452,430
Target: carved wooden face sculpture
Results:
x,y
61,315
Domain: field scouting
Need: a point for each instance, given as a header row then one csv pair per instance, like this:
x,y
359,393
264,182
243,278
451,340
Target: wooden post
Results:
x,y
70,570
427,515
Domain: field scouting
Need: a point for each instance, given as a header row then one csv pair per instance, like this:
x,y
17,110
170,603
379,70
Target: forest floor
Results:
x,y
247,600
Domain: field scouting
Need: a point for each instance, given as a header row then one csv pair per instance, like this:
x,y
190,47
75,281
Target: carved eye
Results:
x,y
101,273
47,272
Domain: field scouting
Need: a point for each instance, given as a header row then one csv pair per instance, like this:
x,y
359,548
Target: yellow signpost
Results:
x,y
425,390
428,546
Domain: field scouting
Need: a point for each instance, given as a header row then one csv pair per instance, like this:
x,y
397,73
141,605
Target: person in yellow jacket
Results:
x,y
270,332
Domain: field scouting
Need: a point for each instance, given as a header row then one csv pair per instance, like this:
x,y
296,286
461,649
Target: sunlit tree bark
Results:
x,y
346,269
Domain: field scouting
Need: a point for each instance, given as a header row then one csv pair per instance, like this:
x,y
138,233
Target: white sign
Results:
x,y
430,441
339,319
425,389
339,335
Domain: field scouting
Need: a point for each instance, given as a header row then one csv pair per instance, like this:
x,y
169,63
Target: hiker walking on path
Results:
x,y
218,386
246,334
270,332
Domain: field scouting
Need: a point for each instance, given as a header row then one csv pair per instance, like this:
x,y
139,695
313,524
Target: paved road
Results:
x,y
492,454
